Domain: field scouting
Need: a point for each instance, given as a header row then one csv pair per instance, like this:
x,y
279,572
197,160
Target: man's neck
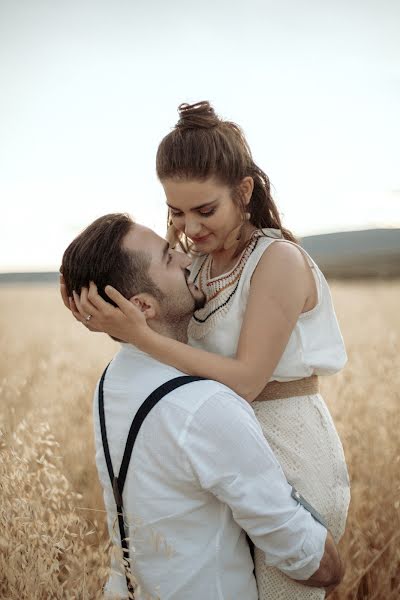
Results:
x,y
176,331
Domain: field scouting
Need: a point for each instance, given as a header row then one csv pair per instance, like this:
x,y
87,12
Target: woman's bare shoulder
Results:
x,y
282,257
284,271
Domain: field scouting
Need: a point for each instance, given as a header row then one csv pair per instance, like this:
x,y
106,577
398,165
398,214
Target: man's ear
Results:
x,y
146,303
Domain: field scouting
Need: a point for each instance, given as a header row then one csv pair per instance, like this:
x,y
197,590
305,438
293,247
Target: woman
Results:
x,y
268,328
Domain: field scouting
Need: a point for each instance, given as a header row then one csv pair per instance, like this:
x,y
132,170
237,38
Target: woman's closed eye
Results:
x,y
203,213
207,213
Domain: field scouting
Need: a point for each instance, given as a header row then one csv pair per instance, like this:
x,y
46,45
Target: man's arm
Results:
x,y
231,458
330,571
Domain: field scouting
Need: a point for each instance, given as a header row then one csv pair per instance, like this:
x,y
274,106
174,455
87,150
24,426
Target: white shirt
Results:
x,y
201,472
315,346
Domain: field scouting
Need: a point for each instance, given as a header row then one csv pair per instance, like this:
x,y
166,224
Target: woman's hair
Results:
x,y
201,146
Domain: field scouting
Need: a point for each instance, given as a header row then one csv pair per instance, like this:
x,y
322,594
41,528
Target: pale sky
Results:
x,y
89,88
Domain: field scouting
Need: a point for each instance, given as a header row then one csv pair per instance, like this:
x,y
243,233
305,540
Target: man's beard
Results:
x,y
178,310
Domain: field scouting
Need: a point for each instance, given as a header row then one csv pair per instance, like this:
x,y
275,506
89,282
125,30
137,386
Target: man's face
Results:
x,y
169,271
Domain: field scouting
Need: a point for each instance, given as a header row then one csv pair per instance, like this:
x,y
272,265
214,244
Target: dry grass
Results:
x,y
52,536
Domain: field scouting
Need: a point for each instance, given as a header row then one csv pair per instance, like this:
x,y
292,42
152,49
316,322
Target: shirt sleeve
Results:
x,y
230,457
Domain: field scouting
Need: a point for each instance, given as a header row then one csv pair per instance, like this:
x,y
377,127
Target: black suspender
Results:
x,y
119,481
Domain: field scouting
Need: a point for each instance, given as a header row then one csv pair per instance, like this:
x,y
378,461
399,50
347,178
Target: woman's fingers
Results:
x,y
85,311
77,302
71,305
74,310
79,314
87,306
122,303
97,301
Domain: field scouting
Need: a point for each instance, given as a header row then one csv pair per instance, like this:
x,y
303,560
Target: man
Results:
x,y
201,473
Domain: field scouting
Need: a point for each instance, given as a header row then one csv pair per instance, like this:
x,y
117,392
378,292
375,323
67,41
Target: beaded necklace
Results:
x,y
219,291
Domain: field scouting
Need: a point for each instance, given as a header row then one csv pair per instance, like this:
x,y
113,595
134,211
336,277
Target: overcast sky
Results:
x,y
88,89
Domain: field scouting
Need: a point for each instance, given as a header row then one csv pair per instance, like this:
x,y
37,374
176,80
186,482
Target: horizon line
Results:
x,y
52,269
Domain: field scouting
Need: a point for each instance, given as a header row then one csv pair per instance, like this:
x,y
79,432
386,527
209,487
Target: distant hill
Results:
x,y
29,278
347,254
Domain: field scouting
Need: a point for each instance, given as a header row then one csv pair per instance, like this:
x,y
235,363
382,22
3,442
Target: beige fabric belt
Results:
x,y
277,390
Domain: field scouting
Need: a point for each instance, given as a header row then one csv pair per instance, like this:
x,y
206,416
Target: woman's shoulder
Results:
x,y
274,251
282,250
284,266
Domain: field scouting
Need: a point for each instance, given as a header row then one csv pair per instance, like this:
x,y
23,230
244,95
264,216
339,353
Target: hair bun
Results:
x,y
198,115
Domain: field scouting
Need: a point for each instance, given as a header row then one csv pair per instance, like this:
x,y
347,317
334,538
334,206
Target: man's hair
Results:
x,y
98,255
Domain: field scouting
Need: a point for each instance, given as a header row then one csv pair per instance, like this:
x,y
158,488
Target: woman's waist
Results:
x,y
279,390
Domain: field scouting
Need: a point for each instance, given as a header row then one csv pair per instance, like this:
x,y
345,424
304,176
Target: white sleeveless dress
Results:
x,y
300,430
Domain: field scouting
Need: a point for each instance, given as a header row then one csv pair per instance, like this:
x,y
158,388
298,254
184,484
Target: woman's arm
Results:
x,y
281,286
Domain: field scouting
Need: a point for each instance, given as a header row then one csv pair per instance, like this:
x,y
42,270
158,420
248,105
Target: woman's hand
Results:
x,y
124,322
69,301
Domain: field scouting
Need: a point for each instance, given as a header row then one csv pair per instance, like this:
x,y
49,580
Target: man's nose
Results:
x,y
186,261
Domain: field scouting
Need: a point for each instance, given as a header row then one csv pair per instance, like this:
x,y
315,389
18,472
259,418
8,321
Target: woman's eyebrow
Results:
x,y
195,207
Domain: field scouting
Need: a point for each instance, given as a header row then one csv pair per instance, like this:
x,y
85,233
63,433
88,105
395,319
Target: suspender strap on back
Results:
x,y
118,482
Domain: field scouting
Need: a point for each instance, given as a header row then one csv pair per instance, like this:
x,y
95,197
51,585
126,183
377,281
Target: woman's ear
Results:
x,y
146,303
246,187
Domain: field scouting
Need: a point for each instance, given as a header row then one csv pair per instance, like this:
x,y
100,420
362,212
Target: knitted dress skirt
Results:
x,y
304,439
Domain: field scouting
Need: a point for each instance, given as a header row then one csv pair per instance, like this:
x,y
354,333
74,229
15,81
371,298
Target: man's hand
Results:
x,y
330,571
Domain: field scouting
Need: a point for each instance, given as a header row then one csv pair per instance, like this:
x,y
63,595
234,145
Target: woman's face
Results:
x,y
204,210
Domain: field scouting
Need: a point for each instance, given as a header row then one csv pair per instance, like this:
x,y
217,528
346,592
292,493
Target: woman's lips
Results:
x,y
198,240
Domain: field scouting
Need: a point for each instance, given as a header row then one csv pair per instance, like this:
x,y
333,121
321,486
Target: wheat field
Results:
x,y
53,541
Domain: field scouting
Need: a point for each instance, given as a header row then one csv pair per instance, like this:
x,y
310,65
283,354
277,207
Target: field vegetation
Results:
x,y
53,541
